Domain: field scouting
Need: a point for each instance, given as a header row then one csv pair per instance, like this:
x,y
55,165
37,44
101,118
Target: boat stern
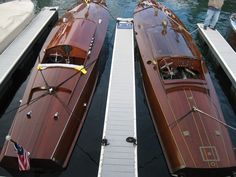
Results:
x,y
11,162
205,172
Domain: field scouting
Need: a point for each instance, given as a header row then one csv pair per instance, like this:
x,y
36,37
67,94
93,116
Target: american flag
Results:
x,y
23,157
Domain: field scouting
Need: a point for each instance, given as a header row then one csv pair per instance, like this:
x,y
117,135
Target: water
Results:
x,y
151,163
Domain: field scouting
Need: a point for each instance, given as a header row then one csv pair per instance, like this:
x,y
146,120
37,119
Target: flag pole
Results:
x,y
8,138
22,155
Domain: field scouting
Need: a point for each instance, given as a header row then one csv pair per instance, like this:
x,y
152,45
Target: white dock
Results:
x,y
118,154
22,46
15,16
222,51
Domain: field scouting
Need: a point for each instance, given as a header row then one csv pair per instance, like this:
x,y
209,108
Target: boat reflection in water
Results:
x,y
182,100
60,89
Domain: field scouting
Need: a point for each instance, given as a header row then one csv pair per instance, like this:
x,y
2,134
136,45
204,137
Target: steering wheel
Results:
x,y
166,68
56,58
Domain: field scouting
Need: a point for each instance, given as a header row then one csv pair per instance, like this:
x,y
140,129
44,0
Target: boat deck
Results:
x,y
222,51
18,50
119,156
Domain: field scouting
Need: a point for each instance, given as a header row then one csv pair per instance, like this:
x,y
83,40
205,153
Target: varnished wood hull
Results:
x,y
57,98
185,111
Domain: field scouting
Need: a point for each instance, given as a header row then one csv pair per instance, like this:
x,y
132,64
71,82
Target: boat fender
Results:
x,y
131,140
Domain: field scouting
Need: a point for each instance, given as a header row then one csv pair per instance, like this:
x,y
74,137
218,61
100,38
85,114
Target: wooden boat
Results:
x,y
59,90
181,97
233,21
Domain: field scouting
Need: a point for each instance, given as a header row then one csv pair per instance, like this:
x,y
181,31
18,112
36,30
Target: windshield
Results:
x,y
58,58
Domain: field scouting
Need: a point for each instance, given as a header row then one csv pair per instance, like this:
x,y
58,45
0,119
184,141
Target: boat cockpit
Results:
x,y
180,71
64,54
180,68
58,58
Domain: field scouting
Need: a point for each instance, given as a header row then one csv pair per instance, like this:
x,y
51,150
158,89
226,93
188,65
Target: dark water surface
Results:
x,y
151,163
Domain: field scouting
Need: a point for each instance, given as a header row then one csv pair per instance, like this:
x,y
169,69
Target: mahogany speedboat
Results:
x,y
181,97
60,89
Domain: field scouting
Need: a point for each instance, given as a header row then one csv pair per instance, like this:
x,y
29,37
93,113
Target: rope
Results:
x,y
41,96
179,25
194,31
195,109
45,81
223,123
114,18
154,6
181,118
31,102
88,66
63,104
99,4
